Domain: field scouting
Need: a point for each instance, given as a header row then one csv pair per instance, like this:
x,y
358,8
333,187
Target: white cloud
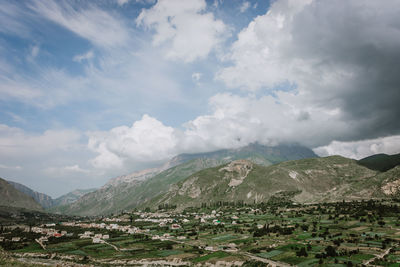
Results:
x,y
361,149
12,19
10,88
75,168
187,30
87,56
35,51
237,121
48,88
17,144
234,122
146,140
94,24
259,54
65,170
245,5
196,76
2,166
31,158
16,118
122,2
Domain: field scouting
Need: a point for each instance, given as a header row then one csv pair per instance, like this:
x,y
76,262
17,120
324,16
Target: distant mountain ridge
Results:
x,y
130,191
328,179
44,200
11,197
47,201
71,197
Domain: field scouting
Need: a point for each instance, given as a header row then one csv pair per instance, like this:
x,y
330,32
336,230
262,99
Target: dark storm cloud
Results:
x,y
362,39
343,55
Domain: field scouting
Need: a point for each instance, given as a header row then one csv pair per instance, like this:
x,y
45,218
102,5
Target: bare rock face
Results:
x,y
133,177
44,200
190,188
237,171
391,188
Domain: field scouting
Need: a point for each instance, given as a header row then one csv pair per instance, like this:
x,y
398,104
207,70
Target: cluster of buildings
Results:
x,y
112,226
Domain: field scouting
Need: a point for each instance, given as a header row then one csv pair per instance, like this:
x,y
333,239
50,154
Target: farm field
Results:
x,y
327,234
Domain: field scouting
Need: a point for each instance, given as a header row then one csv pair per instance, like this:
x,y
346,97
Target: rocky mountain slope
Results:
x,y
308,180
123,193
12,197
47,201
44,200
71,197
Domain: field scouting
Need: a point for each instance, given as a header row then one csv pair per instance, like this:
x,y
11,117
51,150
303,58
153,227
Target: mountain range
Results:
x,y
128,192
254,173
46,201
327,179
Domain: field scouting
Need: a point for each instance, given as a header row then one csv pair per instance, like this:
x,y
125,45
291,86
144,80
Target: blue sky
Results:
x,y
94,89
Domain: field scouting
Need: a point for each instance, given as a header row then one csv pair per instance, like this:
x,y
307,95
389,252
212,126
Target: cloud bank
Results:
x,y
329,69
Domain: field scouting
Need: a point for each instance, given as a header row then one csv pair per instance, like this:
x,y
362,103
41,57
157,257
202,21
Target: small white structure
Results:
x,y
155,237
96,240
231,247
16,239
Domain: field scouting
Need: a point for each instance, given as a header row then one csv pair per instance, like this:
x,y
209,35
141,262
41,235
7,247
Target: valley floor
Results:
x,y
329,234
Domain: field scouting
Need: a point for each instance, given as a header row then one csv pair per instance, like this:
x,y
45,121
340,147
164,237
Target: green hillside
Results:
x,y
11,197
113,199
44,200
71,196
380,162
309,180
124,196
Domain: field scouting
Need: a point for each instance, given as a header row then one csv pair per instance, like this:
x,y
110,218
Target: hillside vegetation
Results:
x,y
130,193
11,197
380,162
326,179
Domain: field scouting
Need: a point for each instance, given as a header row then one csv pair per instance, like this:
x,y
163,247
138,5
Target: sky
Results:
x,y
90,90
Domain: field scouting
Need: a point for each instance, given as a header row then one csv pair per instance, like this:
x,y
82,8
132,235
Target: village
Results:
x,y
348,233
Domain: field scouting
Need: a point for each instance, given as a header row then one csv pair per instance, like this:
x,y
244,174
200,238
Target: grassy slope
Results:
x,y
380,162
14,198
320,179
128,196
